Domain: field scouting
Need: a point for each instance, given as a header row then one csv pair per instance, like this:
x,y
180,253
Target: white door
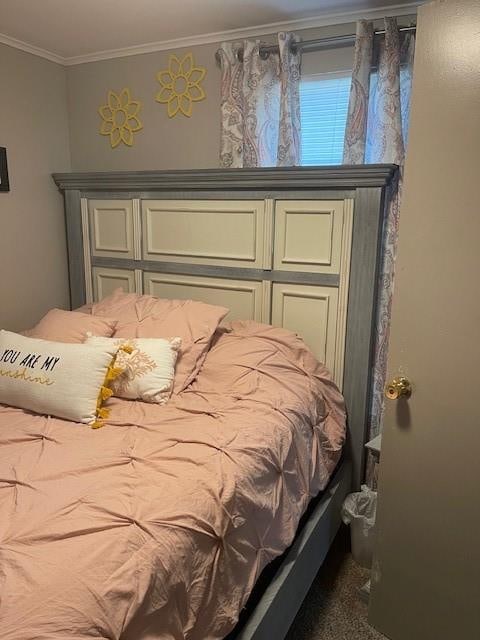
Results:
x,y
426,576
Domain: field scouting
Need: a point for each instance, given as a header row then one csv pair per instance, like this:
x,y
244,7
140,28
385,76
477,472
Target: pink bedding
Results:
x,y
157,525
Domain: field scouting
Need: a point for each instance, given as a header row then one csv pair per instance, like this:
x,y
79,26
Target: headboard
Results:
x,y
294,247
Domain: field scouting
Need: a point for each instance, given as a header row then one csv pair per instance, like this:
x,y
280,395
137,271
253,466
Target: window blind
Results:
x,y
323,107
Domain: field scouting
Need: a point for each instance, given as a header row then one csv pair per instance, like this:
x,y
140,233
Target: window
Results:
x,y
323,107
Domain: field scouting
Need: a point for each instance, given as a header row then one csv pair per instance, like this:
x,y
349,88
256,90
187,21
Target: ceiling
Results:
x,y
73,31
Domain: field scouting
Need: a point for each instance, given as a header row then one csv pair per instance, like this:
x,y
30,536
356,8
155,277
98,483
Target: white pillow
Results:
x,y
55,378
148,367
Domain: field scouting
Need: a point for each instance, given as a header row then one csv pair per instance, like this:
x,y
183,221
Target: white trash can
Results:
x,y
359,511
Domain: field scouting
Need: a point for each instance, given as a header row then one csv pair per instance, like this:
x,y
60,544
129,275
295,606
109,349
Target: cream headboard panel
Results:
x,y
217,232
264,241
294,247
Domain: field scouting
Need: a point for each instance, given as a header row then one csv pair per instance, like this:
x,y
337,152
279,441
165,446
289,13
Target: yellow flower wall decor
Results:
x,y
180,85
120,118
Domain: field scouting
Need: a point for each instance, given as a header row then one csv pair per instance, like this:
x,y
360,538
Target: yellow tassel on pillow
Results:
x,y
112,373
103,413
127,348
105,392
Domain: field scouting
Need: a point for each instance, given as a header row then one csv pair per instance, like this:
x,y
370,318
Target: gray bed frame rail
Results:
x,y
368,185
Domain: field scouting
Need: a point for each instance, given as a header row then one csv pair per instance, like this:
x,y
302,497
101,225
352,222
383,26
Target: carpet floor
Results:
x,y
332,609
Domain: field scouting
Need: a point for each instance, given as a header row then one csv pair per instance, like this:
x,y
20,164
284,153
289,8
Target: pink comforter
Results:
x,y
157,525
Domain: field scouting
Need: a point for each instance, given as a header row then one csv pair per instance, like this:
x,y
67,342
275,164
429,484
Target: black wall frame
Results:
x,y
4,183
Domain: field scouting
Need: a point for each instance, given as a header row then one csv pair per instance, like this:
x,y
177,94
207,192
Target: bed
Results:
x,y
161,524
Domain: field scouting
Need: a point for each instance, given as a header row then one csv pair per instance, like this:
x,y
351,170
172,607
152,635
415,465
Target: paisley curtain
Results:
x,y
260,105
376,132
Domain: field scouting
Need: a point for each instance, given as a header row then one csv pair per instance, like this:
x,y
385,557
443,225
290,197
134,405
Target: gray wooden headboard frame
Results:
x,y
366,184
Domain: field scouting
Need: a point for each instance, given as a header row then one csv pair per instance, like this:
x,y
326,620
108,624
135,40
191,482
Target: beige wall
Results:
x,y
163,143
34,129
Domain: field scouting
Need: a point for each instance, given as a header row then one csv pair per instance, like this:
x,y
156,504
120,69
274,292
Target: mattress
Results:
x,y
157,525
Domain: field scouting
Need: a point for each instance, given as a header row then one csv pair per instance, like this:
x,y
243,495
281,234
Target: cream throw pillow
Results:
x,y
55,378
148,364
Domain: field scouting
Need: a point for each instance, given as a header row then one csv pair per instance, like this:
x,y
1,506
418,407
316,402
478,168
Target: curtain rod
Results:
x,y
314,45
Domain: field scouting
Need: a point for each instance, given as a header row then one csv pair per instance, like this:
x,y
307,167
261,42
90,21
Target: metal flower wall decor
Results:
x,y
120,118
180,88
180,85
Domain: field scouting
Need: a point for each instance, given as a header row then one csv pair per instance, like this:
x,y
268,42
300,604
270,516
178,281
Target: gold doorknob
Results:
x,y
399,387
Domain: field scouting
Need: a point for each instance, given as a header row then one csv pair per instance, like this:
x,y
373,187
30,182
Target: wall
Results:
x,y
164,143
34,129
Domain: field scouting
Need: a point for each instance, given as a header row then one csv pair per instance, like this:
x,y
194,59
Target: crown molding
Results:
x,y
31,48
322,20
